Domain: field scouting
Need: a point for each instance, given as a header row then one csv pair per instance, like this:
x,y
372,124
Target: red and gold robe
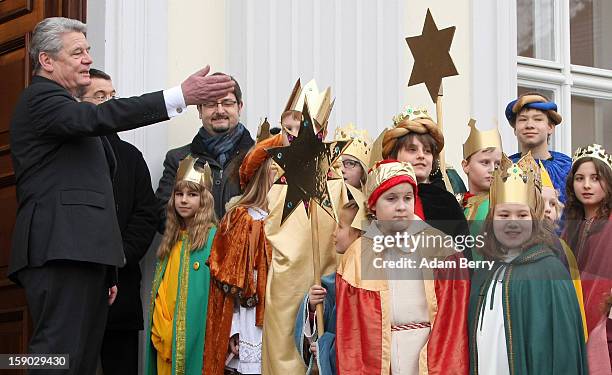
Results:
x,y
364,327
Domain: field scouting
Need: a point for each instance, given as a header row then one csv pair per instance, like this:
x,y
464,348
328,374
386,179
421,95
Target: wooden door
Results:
x,y
17,20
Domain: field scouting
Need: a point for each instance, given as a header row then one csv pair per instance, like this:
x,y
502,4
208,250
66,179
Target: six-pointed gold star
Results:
x,y
432,60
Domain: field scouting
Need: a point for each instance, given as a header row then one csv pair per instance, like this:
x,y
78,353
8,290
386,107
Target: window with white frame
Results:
x,y
563,51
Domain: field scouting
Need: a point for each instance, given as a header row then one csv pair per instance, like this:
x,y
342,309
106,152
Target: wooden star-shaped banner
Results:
x,y
306,162
432,60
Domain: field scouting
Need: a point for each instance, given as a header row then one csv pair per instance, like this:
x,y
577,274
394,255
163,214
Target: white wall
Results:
x,y
357,47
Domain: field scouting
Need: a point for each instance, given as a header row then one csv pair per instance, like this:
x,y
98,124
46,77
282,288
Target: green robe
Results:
x,y
543,324
189,313
475,212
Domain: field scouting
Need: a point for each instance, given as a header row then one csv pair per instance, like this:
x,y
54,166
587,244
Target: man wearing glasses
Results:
x,y
136,208
222,141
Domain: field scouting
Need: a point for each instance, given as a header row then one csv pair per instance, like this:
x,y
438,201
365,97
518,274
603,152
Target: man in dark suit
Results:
x,y
222,142
67,241
137,216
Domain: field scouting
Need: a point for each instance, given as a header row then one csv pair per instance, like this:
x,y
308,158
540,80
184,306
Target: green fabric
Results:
x,y
455,181
543,324
195,312
476,224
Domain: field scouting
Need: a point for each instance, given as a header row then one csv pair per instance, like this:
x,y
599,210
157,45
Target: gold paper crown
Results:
x,y
479,140
518,182
189,171
263,131
546,180
360,147
382,172
320,104
412,114
593,151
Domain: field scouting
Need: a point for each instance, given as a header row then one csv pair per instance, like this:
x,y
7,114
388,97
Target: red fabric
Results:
x,y
418,207
388,185
447,349
466,196
358,329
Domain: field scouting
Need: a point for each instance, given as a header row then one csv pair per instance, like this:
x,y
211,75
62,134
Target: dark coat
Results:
x,y
226,181
137,216
63,168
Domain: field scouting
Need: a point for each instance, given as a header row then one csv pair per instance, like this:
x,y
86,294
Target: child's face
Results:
x,y
512,224
186,203
480,169
352,171
395,207
345,235
587,185
551,203
291,125
532,127
421,158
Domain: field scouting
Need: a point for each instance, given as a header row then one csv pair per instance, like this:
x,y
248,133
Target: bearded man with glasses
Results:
x,y
222,141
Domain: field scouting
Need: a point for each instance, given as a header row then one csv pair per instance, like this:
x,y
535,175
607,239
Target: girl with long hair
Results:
x,y
588,230
524,316
239,263
179,297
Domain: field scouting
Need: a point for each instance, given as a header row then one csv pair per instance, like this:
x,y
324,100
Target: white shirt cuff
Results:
x,y
175,102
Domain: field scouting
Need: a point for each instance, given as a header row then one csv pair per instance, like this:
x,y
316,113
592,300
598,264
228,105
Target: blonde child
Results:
x,y
323,349
239,263
179,297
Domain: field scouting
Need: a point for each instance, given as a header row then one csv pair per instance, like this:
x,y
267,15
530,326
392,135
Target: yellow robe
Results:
x,y
161,331
291,275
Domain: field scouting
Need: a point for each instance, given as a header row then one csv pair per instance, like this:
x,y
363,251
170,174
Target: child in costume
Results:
x,y
588,232
322,350
524,316
417,139
388,324
481,154
290,273
239,262
534,118
179,297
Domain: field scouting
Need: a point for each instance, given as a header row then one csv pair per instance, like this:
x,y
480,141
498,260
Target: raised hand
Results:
x,y
200,87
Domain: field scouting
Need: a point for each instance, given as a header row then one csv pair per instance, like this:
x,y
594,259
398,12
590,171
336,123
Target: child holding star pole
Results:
x,y
290,229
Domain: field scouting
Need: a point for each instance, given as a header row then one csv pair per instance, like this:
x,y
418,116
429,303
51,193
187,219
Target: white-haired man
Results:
x,y
66,242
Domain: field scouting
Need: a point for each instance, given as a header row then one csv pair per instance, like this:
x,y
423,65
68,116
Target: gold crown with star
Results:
x,y
360,145
518,182
188,170
411,114
594,151
480,139
320,103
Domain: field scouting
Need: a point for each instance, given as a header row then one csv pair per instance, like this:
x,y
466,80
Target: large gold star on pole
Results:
x,y
432,60
306,162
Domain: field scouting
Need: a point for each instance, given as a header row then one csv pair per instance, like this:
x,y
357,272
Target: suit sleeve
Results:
x,y
144,219
56,114
166,184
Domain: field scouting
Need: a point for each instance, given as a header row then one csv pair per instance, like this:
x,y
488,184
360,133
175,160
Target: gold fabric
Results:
x,y
291,275
385,171
163,312
518,182
479,140
188,171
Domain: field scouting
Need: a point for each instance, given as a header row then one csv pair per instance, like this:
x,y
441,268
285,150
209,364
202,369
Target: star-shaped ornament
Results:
x,y
432,60
306,162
